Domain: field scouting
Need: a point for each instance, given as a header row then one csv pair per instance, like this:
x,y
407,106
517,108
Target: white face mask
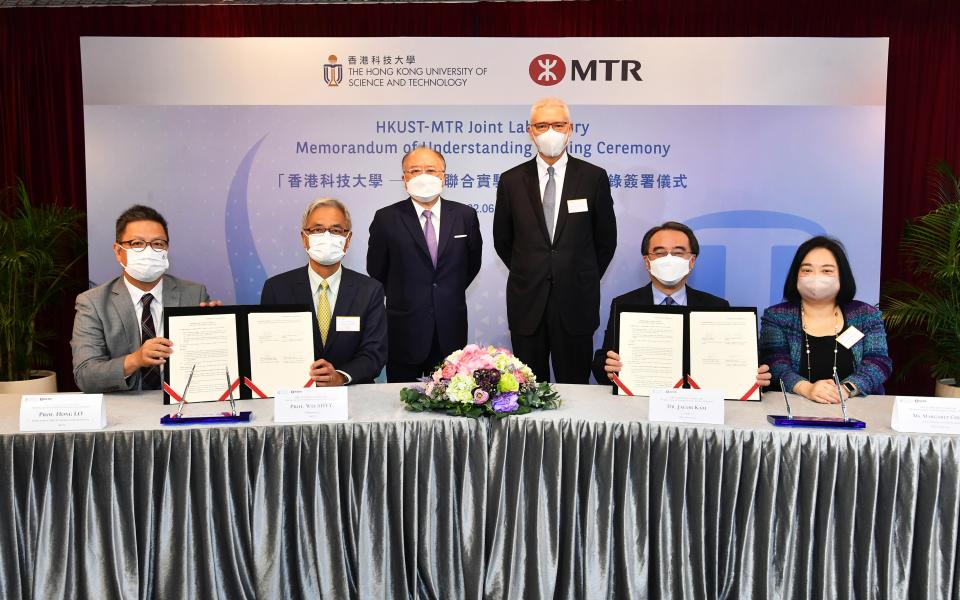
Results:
x,y
670,269
424,187
326,248
552,143
147,265
818,287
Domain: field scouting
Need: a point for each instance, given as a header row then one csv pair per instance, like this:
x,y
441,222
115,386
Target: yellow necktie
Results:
x,y
323,311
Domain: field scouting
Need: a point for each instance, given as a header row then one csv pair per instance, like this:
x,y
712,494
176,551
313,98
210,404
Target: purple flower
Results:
x,y
487,379
480,396
506,402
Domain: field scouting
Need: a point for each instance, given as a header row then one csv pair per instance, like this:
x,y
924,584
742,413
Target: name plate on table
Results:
x,y
916,414
62,412
310,405
687,406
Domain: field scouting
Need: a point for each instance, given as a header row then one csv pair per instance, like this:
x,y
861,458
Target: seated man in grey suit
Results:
x,y
350,328
118,342
669,254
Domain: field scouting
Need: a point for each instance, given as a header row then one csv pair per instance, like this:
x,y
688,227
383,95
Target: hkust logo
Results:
x,y
550,69
332,71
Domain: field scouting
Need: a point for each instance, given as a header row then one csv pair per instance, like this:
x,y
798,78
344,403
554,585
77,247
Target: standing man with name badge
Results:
x,y
425,250
349,328
555,230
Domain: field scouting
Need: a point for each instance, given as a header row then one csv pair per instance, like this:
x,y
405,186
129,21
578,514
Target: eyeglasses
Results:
x,y
415,171
141,245
678,253
560,126
320,230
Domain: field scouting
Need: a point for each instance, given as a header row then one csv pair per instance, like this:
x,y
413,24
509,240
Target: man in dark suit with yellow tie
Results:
x,y
350,328
425,250
555,230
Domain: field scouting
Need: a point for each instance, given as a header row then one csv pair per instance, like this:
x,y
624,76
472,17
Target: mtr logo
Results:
x,y
550,69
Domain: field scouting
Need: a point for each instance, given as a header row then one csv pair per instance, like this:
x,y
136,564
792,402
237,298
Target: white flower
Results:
x,y
460,388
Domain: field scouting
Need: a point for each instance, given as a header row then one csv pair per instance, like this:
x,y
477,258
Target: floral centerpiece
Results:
x,y
479,381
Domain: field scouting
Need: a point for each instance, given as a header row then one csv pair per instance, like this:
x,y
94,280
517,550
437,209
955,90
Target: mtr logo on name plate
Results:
x,y
550,69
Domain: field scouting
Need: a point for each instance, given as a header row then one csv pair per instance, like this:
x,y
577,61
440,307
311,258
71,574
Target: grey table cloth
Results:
x,y
588,501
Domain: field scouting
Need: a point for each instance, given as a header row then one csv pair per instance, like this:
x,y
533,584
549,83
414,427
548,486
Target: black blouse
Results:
x,y
821,359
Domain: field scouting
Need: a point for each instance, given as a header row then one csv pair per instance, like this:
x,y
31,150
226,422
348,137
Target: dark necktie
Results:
x,y
149,376
668,301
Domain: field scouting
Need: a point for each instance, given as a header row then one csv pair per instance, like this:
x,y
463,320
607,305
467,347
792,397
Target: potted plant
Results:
x,y
930,307
39,245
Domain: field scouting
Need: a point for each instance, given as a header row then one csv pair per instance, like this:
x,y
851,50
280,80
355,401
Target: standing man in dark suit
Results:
x,y
350,328
425,250
555,230
669,254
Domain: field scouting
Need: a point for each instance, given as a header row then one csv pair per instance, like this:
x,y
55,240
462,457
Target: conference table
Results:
x,y
587,501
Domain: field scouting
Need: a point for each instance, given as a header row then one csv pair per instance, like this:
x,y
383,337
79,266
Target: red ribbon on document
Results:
x,y
253,388
750,391
308,383
619,384
232,387
171,393
693,384
678,384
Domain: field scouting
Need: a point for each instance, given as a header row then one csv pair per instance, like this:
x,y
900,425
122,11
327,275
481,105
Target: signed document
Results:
x,y
281,350
651,350
723,352
208,341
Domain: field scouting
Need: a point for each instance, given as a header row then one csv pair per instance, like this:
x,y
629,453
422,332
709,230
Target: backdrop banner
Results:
x,y
756,143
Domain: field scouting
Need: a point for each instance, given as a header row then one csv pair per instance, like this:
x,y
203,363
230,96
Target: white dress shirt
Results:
x,y
156,307
559,169
679,296
434,217
156,311
333,288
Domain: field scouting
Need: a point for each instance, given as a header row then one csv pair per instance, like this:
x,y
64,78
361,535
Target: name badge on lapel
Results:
x,y
577,206
348,323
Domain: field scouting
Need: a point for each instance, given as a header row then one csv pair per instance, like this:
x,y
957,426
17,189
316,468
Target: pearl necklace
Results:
x,y
806,341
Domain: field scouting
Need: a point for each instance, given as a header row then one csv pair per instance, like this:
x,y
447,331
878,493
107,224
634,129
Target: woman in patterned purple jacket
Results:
x,y
821,330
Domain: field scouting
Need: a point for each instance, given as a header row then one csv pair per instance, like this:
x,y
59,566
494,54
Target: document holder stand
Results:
x,y
178,417
822,422
788,420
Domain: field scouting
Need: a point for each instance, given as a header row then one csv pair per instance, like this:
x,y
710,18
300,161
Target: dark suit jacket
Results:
x,y
571,267
361,354
644,296
419,296
106,330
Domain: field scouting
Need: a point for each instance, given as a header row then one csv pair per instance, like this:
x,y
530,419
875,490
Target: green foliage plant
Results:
x,y
929,306
39,247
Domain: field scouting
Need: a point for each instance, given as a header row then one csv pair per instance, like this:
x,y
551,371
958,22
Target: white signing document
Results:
x,y
723,352
208,341
281,350
651,350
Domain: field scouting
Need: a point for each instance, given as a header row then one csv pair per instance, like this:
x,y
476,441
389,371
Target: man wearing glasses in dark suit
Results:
x,y
425,250
555,230
669,253
350,326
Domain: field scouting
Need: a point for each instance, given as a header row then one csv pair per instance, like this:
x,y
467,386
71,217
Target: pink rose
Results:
x,y
448,371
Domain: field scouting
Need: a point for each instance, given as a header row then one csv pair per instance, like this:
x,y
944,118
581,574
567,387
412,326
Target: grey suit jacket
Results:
x,y
105,330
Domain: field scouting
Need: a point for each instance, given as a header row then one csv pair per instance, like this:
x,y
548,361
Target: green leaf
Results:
x,y
929,307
